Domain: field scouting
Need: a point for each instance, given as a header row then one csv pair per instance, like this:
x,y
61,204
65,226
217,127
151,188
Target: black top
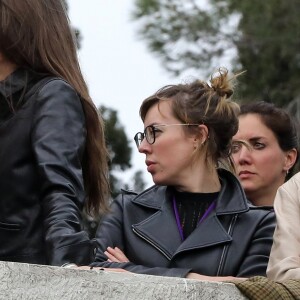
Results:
x,y
191,207
42,144
234,240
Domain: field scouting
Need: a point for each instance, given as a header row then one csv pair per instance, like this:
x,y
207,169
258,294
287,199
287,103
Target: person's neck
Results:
x,y
261,199
204,182
6,68
265,196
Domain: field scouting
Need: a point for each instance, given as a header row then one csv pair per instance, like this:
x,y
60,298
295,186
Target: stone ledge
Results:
x,y
34,282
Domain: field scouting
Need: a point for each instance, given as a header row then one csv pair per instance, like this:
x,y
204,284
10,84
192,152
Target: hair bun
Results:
x,y
221,84
223,92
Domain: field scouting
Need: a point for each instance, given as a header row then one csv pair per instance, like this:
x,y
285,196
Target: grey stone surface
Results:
x,y
25,281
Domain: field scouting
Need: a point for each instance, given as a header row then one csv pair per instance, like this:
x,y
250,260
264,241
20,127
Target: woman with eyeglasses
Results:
x,y
195,222
264,150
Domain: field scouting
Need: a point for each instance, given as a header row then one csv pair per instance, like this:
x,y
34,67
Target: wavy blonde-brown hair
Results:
x,y
205,103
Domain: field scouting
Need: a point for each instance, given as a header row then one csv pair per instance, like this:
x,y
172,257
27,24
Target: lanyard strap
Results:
x,y
207,212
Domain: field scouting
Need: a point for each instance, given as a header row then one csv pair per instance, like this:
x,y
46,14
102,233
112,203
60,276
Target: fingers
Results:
x,y
115,255
116,270
111,257
84,268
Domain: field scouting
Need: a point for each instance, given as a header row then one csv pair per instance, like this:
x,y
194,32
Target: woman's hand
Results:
x,y
115,255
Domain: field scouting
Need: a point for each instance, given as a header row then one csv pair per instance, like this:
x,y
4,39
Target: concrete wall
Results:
x,y
24,281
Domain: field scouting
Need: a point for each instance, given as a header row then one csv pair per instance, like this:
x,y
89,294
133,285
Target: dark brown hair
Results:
x,y
202,103
37,34
279,122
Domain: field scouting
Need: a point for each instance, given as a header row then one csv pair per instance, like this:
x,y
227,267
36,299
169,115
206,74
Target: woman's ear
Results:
x,y
203,133
290,159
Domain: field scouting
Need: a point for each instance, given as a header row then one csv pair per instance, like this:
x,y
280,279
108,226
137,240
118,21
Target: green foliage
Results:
x,y
138,181
118,146
120,156
269,49
261,37
171,29
116,139
120,153
138,184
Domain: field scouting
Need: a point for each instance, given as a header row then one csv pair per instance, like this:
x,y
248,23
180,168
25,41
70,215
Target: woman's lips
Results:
x,y
150,166
245,174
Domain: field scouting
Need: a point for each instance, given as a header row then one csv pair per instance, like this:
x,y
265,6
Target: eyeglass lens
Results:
x,y
138,138
150,134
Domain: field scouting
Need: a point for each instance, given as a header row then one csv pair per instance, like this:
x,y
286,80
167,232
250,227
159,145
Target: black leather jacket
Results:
x,y
234,240
41,184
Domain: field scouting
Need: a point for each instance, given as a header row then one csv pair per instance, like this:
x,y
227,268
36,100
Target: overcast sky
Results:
x,y
119,70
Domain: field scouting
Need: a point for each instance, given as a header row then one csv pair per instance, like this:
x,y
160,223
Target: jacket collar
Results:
x,y
19,80
15,82
231,200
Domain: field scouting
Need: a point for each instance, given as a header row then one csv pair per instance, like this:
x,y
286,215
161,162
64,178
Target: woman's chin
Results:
x,y
157,180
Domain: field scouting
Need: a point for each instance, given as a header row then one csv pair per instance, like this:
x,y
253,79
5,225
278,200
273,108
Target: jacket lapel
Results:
x,y
209,233
159,229
231,201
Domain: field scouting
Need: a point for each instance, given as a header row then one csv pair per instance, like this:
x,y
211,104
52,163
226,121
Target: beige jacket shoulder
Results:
x,y
284,260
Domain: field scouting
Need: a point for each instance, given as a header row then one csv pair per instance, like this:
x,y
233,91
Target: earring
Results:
x,y
287,172
195,144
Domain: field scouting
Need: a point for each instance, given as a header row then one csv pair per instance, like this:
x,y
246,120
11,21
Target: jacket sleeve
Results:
x,y
257,255
110,234
284,260
58,140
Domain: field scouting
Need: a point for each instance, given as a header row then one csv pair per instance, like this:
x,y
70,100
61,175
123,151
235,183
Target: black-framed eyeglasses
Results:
x,y
150,133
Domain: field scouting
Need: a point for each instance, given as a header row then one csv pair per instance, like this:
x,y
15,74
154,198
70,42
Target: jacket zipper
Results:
x,y
151,243
224,252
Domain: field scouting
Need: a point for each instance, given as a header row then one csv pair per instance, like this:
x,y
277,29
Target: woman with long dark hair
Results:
x,y
53,156
265,150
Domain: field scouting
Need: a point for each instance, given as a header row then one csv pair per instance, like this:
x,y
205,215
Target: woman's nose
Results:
x,y
244,155
144,147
